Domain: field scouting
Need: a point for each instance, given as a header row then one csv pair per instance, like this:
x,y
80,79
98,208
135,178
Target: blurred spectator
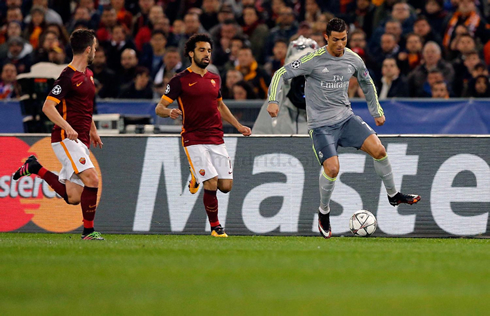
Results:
x,y
279,56
435,75
286,28
319,39
114,48
389,48
439,90
321,24
56,55
14,14
152,56
391,26
436,15
463,69
127,72
479,87
256,31
94,14
304,29
140,88
9,88
155,16
141,19
123,16
242,90
422,27
60,32
222,43
47,40
209,15
36,26
237,42
232,77
81,14
383,11
312,11
393,84
107,21
13,29
172,64
224,14
252,73
467,15
273,12
50,15
19,54
479,69
362,17
412,56
104,77
432,60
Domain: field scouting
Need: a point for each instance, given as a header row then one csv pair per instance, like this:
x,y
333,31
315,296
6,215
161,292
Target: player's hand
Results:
x,y
380,120
175,113
273,109
95,139
71,134
245,130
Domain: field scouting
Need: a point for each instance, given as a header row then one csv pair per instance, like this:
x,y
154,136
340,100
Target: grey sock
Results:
x,y
327,185
383,169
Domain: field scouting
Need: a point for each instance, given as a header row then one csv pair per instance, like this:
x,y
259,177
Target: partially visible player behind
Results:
x,y
198,92
70,106
331,121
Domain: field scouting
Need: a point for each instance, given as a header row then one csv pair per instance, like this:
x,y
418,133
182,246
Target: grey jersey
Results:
x,y
327,82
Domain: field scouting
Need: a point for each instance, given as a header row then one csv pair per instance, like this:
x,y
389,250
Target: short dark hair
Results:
x,y
142,70
336,25
190,45
80,40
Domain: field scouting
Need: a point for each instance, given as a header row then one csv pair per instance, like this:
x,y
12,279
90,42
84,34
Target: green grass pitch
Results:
x,y
58,274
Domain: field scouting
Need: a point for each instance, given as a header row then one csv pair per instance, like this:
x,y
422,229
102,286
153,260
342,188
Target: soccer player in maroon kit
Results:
x,y
70,106
198,92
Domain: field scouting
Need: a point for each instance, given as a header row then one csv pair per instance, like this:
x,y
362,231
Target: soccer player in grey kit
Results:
x,y
331,121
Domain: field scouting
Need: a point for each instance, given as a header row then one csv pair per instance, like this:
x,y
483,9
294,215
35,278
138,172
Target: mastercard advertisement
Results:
x,y
30,199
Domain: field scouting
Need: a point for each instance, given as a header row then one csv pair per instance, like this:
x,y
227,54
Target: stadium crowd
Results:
x,y
417,48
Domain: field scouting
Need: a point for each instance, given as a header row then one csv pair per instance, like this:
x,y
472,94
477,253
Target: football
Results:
x,y
363,223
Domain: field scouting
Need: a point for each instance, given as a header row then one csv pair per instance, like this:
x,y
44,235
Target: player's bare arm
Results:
x,y
94,136
230,118
273,109
49,108
162,110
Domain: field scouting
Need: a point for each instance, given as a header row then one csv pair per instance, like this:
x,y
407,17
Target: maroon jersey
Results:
x,y
198,98
74,93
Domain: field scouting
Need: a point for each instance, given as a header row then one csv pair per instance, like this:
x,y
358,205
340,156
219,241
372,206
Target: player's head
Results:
x,y
198,48
83,42
336,36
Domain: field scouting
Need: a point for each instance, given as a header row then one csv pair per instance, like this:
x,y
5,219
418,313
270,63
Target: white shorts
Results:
x,y
209,161
74,158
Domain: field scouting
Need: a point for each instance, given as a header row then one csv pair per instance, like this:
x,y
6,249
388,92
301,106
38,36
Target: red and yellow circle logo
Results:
x,y
30,199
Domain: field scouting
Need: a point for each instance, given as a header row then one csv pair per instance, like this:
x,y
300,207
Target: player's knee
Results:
x,y
225,188
331,170
73,200
92,181
379,152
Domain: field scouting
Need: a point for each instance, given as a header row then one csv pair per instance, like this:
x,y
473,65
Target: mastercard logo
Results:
x,y
31,199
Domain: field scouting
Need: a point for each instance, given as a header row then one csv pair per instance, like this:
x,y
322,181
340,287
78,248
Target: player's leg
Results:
x,y
88,201
373,146
200,160
32,166
324,146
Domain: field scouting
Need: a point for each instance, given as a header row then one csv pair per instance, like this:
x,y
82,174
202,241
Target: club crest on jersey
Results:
x,y
213,82
366,73
168,89
56,90
295,64
202,172
92,78
82,160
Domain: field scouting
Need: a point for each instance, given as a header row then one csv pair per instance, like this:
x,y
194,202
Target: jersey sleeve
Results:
x,y
61,87
300,67
367,85
174,88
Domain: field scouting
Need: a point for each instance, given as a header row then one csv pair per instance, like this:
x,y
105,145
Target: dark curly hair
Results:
x,y
190,45
336,25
